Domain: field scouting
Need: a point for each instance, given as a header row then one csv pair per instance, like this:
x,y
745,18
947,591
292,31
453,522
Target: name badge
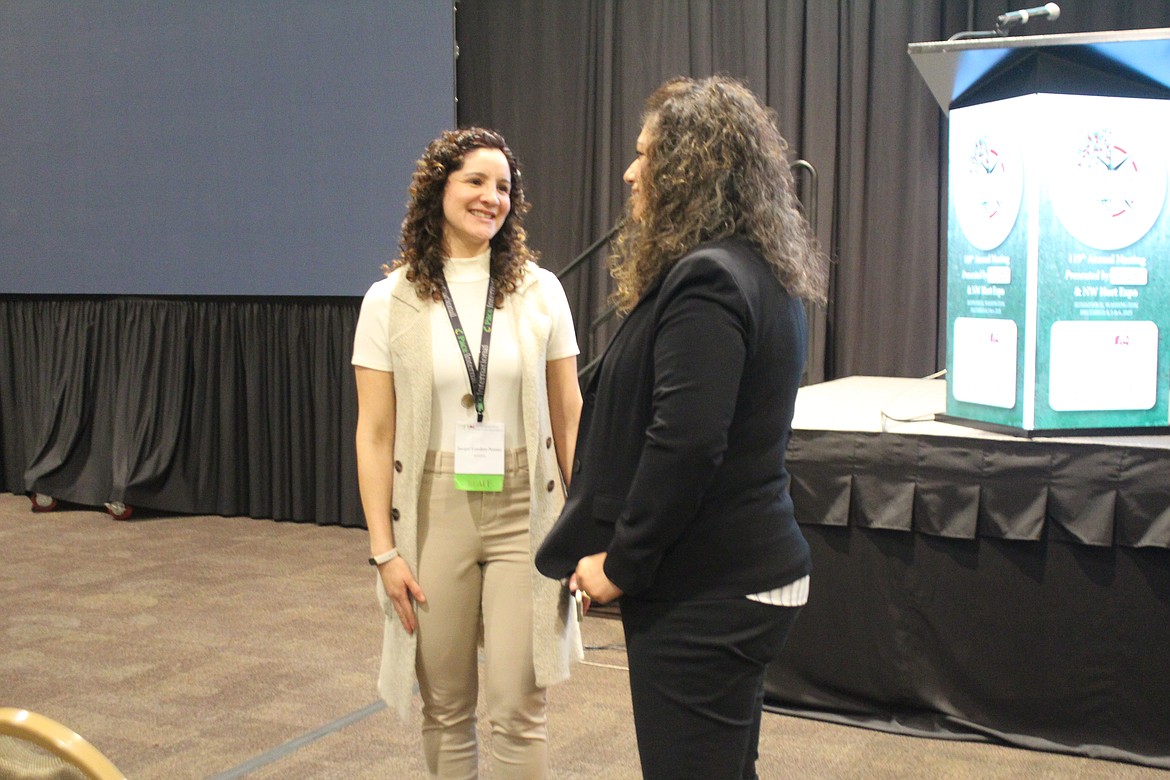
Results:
x,y
479,457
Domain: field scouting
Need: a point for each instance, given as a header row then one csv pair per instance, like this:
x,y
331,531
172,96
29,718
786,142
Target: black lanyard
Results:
x,y
476,376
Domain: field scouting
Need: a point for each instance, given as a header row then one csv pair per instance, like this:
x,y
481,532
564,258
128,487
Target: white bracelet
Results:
x,y
385,557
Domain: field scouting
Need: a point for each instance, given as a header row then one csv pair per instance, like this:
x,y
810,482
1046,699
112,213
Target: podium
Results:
x,y
1058,230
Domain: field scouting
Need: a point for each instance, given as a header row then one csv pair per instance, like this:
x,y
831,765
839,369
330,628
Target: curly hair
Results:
x,y
421,243
715,166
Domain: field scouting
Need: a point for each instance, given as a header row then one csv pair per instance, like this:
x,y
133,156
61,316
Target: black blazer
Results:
x,y
679,467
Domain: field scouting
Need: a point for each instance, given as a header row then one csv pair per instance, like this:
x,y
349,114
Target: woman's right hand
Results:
x,y
402,589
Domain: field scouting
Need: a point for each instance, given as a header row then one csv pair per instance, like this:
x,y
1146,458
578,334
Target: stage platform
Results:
x,y
971,584
897,405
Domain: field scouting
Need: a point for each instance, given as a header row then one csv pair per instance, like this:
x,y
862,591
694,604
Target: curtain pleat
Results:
x,y
227,407
1097,495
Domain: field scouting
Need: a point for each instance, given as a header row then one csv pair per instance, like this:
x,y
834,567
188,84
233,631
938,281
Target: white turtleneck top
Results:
x,y
467,278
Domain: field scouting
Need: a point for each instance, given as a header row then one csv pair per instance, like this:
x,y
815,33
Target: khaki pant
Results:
x,y
475,563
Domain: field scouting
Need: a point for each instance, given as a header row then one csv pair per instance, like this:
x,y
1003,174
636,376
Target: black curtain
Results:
x,y
565,82
229,407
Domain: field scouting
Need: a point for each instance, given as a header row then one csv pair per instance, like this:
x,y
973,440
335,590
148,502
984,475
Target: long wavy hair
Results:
x,y
421,243
715,166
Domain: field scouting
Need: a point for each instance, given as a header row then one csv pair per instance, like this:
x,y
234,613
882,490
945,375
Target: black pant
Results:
x,y
697,683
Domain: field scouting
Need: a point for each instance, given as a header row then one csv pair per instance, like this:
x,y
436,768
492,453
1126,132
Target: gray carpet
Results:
x,y
211,647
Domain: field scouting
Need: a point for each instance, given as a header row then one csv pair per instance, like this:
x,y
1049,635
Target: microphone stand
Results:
x,y
581,258
968,34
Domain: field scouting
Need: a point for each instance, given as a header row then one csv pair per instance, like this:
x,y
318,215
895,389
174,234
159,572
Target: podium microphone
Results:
x,y
1049,11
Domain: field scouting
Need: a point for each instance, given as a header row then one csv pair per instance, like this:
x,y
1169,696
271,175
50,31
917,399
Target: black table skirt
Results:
x,y
1016,590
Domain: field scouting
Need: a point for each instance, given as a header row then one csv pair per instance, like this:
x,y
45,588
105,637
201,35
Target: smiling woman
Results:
x,y
453,161
459,459
476,202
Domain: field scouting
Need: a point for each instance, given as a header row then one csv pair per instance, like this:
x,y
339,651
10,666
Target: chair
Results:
x,y
33,746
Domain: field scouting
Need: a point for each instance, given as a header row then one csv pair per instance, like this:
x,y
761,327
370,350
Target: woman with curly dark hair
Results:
x,y
460,459
679,504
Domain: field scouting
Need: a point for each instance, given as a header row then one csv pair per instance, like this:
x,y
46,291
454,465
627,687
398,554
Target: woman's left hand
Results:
x,y
590,577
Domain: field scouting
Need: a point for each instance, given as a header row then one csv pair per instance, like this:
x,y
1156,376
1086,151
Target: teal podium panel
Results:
x,y
1058,238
